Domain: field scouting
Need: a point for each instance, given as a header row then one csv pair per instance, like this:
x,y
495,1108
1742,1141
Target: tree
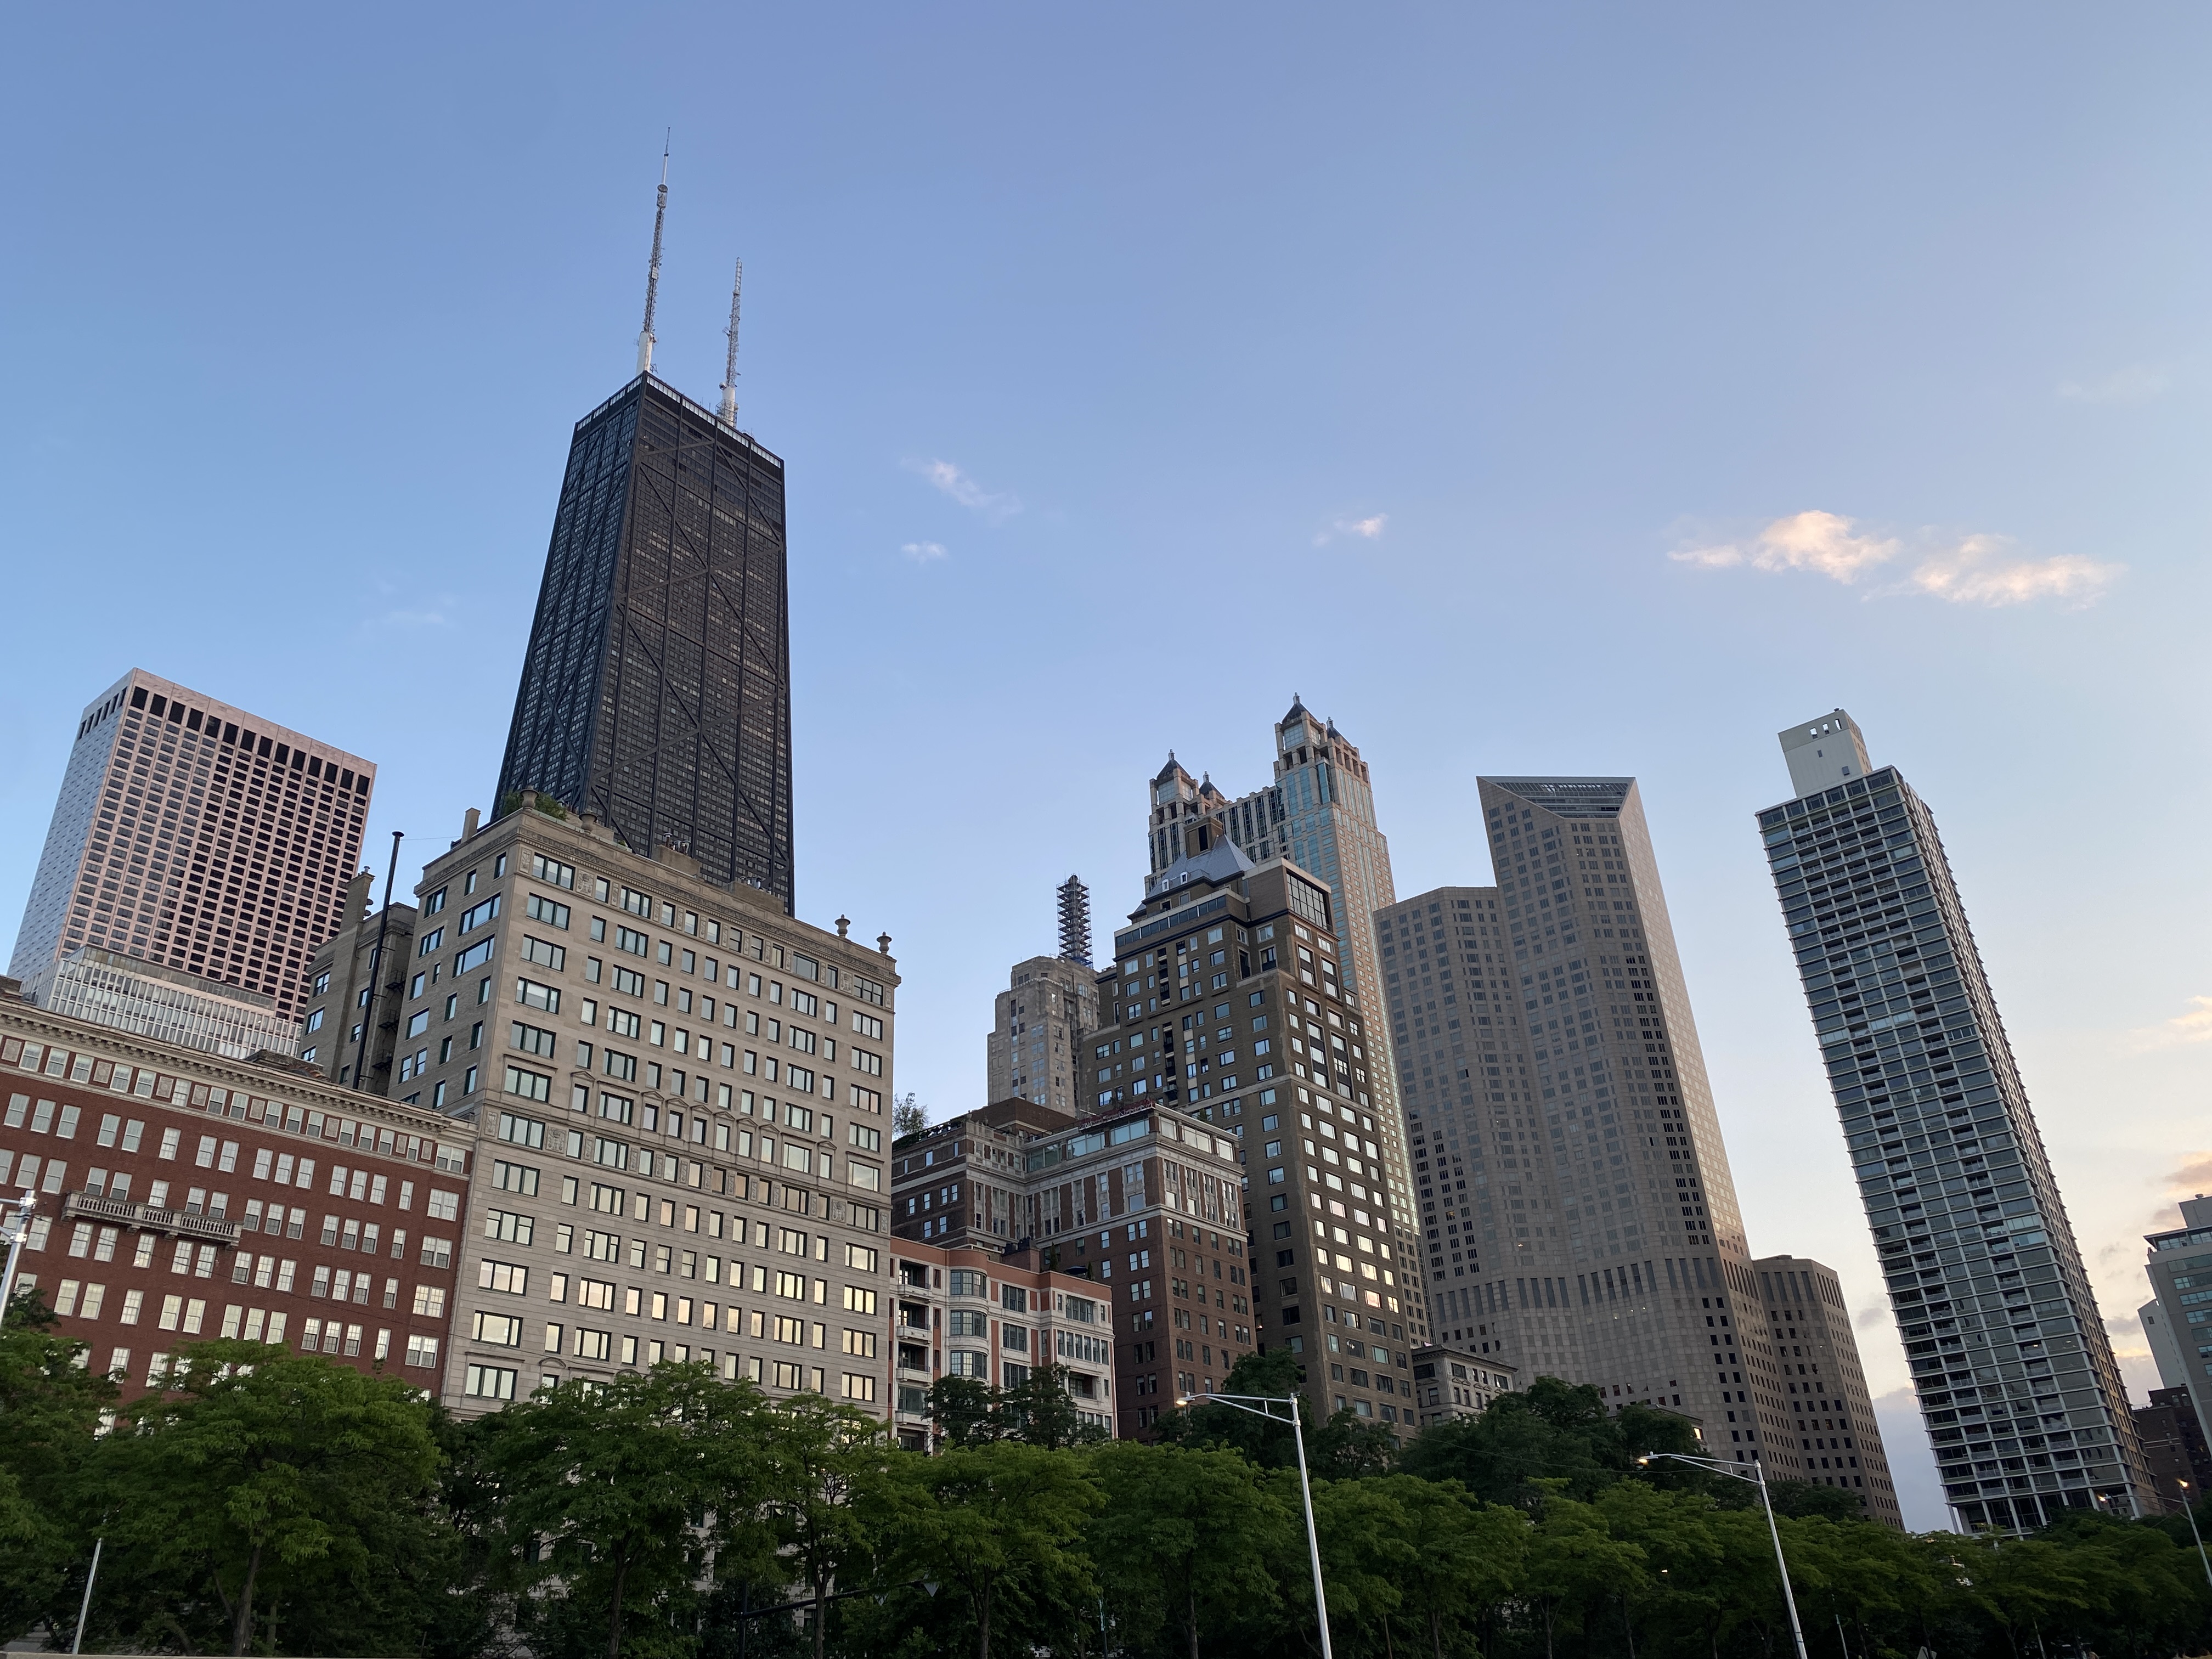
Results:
x,y
826,1464
964,1411
1552,1430
1185,1539
51,1405
993,1520
1466,1556
611,1488
1575,1562
259,1473
908,1116
1039,1411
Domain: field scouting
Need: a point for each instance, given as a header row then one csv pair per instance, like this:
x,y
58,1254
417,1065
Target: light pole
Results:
x,y
2189,1509
1258,1405
1758,1478
18,1229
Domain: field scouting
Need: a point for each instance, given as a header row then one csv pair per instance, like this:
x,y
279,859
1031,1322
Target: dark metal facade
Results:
x,y
656,689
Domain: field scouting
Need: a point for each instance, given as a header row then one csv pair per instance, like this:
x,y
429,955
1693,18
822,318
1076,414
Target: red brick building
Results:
x,y
181,1196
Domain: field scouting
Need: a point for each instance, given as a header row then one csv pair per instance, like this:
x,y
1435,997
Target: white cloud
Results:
x,y
923,552
1976,569
2136,383
2195,1026
1975,572
1815,541
1369,529
996,506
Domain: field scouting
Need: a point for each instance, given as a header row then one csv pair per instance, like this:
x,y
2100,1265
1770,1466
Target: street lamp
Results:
x,y
17,1229
1259,1405
2189,1509
1757,1477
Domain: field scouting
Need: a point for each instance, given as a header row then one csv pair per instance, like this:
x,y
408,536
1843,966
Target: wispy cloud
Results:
x,y
2137,383
1369,529
1974,569
995,506
1815,541
1979,571
413,620
923,552
2191,1178
2194,1026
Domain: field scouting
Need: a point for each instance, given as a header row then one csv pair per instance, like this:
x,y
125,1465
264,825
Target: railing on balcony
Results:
x,y
91,1207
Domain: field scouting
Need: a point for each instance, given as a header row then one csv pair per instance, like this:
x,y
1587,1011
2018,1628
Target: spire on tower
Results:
x,y
728,414
1075,921
653,271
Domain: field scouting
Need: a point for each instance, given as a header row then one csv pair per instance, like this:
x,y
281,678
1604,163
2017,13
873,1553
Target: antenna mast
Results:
x,y
729,409
653,271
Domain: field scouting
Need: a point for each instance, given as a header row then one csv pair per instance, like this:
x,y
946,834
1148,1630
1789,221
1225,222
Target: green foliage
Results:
x,y
616,1494
266,1496
49,1413
269,1502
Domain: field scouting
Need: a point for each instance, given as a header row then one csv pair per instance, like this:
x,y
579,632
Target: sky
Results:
x,y
1570,389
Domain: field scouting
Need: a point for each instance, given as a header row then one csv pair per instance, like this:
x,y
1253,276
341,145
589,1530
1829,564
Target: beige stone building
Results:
x,y
1049,1005
677,1094
1830,1438
348,1024
1453,1382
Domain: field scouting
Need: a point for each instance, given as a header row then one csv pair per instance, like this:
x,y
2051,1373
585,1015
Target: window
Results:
x,y
533,1039
546,910
509,1226
858,1298
431,941
424,1350
532,995
544,953
500,1330
523,1131
530,1085
436,1253
485,1382
632,941
474,957
514,1178
505,1277
477,914
553,872
430,1301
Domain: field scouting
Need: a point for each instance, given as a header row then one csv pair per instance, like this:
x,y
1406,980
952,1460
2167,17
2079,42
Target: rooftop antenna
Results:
x,y
653,271
728,415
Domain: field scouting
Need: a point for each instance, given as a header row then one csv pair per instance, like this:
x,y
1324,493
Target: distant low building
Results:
x,y
168,1005
974,1312
2180,1461
1451,1383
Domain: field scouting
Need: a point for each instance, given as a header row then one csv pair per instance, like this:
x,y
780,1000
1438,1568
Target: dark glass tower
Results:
x,y
2024,1405
656,692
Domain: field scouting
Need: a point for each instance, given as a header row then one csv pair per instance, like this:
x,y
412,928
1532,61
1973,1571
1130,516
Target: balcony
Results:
x,y
144,1217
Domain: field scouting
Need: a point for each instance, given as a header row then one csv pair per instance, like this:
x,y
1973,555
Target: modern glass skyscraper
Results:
x,y
2010,1358
656,689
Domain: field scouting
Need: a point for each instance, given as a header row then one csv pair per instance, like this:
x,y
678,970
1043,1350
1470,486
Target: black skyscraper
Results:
x,y
656,692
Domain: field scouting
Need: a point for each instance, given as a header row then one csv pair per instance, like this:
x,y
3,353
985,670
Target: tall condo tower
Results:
x,y
198,837
2014,1371
656,687
1319,814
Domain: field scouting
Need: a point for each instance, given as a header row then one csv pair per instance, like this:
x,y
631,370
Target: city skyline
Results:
x,y
1458,345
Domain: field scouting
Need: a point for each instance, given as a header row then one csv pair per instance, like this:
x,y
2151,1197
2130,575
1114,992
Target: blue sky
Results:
x,y
1567,389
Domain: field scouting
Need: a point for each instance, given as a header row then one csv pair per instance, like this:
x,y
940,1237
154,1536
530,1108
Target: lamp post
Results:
x,y
2188,1509
18,1228
1258,1405
1758,1478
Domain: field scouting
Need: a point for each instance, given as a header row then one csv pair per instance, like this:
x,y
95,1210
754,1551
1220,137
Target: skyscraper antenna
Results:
x,y
729,409
653,270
